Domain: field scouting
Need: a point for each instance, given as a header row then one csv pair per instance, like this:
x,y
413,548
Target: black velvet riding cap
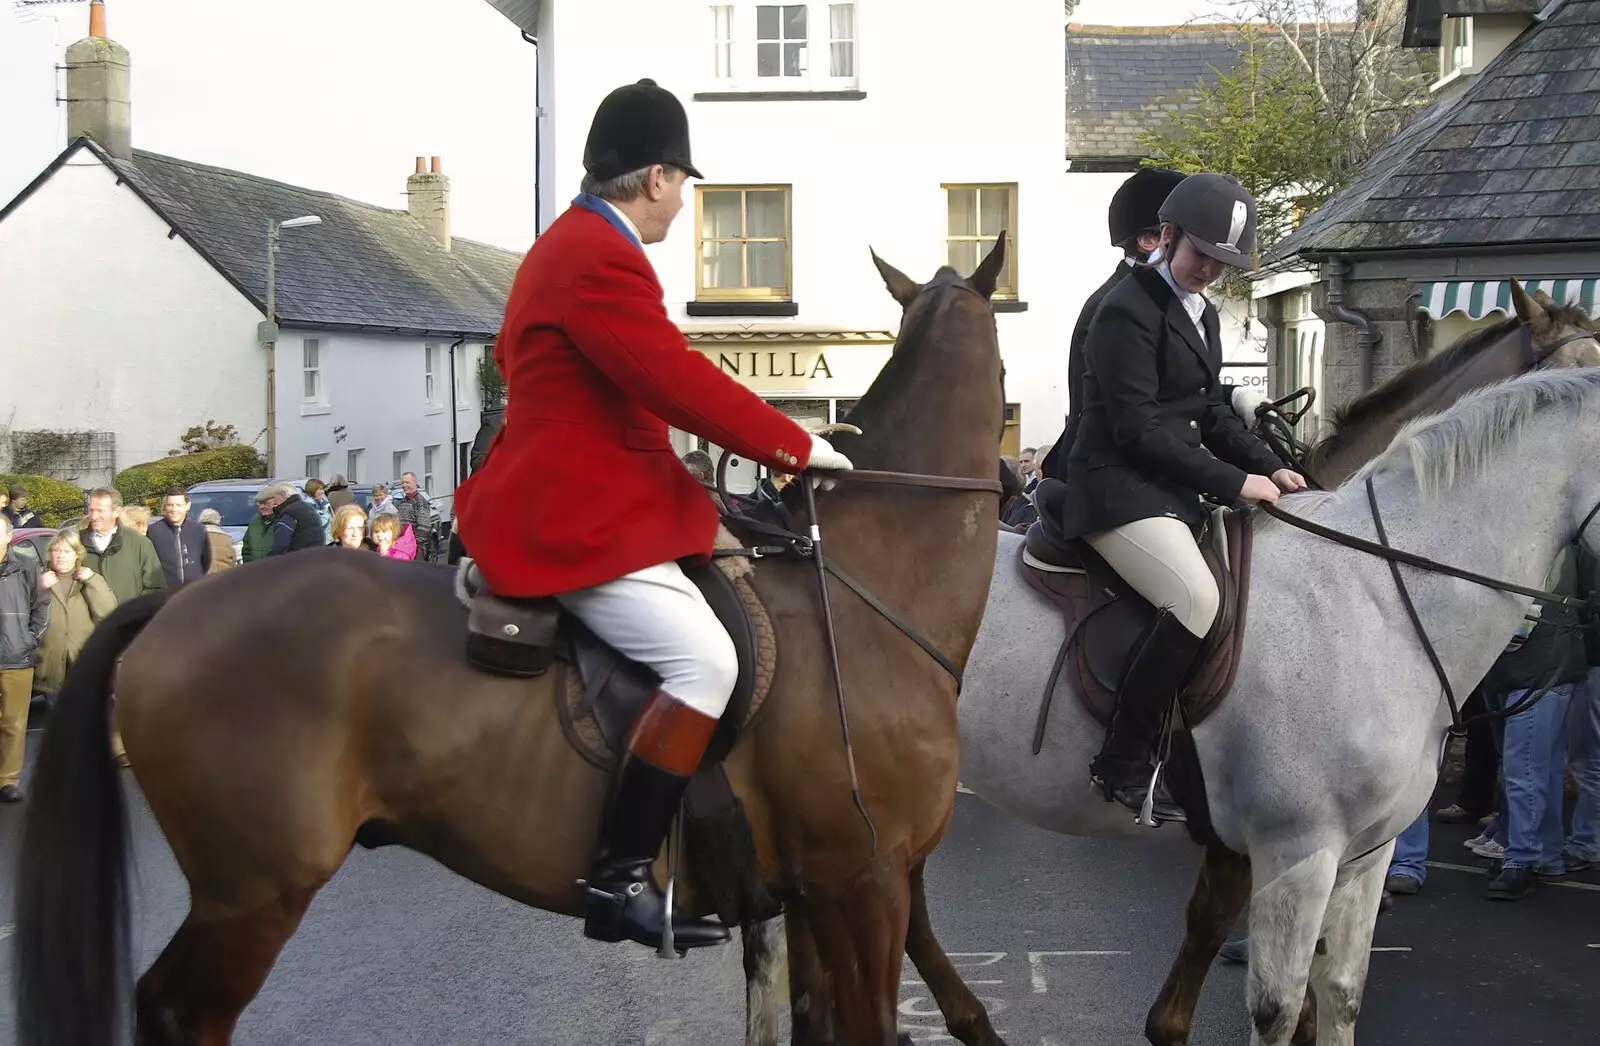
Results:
x,y
1137,202
637,126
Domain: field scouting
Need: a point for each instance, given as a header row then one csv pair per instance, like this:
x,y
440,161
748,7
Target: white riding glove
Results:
x,y
1245,402
825,458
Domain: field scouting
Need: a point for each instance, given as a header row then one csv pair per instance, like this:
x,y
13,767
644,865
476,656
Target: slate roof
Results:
x,y
1513,159
364,268
1121,81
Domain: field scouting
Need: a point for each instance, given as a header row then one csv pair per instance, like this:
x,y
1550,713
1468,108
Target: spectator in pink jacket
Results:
x,y
391,539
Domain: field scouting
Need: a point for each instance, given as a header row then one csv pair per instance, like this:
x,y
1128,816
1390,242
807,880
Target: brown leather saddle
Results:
x,y
598,691
1105,617
598,694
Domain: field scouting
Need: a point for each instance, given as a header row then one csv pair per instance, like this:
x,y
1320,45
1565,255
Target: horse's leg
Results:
x,y
1340,975
964,1015
210,971
765,956
860,929
1219,896
811,1002
1286,914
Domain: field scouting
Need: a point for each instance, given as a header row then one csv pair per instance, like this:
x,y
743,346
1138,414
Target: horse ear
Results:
x,y
901,287
987,275
1530,312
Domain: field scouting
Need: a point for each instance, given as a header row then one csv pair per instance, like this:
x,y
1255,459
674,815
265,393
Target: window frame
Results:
x,y
400,460
430,373
1009,292
430,459
708,294
1455,58
314,471
352,464
320,395
742,42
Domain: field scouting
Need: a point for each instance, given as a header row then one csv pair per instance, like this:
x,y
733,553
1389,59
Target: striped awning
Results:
x,y
1479,298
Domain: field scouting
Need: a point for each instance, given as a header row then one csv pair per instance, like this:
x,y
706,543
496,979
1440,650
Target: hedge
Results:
x,y
55,500
139,483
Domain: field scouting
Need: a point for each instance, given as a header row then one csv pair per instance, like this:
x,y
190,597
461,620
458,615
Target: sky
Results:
x,y
338,95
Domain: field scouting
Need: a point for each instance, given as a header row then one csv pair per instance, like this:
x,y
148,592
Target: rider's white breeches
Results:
x,y
1159,559
657,616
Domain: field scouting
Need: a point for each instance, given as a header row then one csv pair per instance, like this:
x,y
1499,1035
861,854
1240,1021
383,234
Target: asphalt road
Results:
x,y
1068,940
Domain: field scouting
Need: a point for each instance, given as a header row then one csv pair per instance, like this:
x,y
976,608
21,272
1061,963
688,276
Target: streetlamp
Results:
x,y
267,332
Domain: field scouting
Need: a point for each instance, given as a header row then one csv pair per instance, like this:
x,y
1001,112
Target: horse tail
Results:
x,y
71,960
766,975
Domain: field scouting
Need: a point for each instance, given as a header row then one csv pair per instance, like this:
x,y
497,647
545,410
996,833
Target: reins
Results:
x,y
785,537
1277,429
1394,557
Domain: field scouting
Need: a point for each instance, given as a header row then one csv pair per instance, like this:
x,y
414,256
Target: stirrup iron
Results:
x,y
1147,809
669,944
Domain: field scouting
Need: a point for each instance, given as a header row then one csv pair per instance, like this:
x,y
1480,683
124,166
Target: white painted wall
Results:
x,y
950,97
108,325
373,399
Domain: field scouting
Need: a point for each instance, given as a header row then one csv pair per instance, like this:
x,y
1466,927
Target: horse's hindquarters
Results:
x,y
999,712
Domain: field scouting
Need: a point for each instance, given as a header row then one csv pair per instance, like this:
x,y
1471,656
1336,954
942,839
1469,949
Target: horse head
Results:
x,y
944,380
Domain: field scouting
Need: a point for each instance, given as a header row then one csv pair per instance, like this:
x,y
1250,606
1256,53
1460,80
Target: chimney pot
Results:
x,y
421,169
434,165
97,20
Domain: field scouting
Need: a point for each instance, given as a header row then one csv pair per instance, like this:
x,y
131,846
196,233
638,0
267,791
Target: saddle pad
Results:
x,y
597,729
1093,671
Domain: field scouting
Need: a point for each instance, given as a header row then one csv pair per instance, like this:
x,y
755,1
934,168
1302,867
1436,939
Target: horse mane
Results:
x,y
1414,379
1444,449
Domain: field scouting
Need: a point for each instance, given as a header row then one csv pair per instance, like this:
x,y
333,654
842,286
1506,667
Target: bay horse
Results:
x,y
1541,333
215,704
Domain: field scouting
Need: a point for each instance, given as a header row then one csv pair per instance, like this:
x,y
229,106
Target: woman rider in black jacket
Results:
x,y
1156,433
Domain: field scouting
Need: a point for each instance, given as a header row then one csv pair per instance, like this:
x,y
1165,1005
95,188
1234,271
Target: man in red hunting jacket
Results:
x,y
595,372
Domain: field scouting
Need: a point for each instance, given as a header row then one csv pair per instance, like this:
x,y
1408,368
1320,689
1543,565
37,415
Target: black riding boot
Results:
x,y
664,749
1158,665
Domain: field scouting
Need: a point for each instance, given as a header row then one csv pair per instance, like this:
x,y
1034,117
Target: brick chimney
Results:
x,y
428,199
97,89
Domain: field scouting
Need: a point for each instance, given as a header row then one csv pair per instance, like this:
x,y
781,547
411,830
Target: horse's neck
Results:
x,y
941,426
1508,523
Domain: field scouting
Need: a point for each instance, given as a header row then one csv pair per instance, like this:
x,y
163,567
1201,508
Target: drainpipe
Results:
x,y
538,130
1367,336
455,445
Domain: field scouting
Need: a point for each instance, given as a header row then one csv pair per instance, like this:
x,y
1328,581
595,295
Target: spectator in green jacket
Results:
x,y
124,557
257,542
121,555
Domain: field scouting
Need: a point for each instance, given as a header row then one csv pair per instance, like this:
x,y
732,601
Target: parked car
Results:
x,y
235,501
31,542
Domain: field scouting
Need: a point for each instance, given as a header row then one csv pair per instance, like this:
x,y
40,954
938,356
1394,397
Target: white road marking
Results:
x,y
1479,870
963,789
989,958
1036,965
6,929
1391,949
919,984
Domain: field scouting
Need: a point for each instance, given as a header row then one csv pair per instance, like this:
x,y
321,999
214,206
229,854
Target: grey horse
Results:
x,y
1331,741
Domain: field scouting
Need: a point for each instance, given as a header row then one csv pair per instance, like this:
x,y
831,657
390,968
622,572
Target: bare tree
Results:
x,y
1350,51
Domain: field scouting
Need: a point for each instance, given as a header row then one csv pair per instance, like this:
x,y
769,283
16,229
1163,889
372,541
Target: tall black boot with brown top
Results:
x,y
665,746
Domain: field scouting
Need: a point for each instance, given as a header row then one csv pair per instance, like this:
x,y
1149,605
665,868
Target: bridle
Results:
x,y
786,535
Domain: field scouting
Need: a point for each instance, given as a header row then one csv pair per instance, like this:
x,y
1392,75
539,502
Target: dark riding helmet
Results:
x,y
638,125
1137,202
1217,216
